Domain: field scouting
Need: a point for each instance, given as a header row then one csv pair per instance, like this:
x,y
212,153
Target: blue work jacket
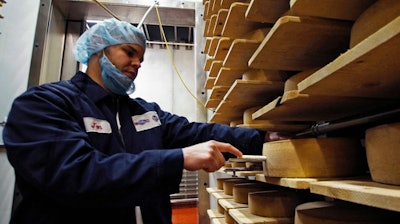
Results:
x,y
82,155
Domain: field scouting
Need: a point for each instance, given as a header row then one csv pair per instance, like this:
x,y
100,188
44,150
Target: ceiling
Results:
x,y
177,16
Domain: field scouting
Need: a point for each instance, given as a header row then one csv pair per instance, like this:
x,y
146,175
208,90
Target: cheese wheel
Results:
x,y
291,83
340,213
382,144
314,157
240,192
371,20
228,184
220,181
273,203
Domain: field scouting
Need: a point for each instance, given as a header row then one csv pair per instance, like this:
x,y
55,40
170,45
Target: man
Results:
x,y
85,152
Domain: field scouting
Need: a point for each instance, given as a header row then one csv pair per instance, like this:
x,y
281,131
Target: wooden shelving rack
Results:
x,y
292,36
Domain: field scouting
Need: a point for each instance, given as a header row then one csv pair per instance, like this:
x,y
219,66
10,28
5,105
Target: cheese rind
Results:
x,y
314,157
273,203
382,144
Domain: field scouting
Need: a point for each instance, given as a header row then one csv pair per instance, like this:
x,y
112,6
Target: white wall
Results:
x,y
158,81
16,44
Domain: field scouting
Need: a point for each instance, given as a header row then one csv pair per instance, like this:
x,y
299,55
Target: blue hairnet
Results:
x,y
104,34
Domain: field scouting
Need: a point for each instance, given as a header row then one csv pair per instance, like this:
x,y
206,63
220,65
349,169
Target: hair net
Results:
x,y
104,34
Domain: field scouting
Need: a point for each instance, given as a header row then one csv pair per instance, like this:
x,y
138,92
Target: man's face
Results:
x,y
126,57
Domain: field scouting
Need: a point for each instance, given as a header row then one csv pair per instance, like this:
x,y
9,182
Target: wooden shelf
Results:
x,y
222,48
369,69
266,11
210,83
227,76
215,67
235,25
300,43
293,106
219,24
332,9
244,94
239,53
243,216
364,192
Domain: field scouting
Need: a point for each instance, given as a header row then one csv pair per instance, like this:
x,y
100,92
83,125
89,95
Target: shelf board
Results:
x,y
222,48
219,24
243,216
239,53
369,69
227,76
266,11
331,9
293,106
364,192
226,4
212,103
244,94
210,83
215,67
300,43
218,92
236,25
229,203
213,46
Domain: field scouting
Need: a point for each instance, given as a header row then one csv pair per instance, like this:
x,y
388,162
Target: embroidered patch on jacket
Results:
x,y
146,121
96,125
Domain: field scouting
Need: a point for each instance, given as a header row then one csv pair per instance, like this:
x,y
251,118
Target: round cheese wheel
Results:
x,y
371,20
273,203
314,157
340,213
241,191
291,83
382,144
228,184
220,181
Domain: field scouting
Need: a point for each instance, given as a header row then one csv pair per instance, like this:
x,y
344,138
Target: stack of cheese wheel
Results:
x,y
241,191
341,213
314,157
228,184
220,181
382,144
273,203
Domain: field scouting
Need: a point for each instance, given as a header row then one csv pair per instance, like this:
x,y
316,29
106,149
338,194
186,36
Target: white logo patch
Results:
x,y
146,121
96,125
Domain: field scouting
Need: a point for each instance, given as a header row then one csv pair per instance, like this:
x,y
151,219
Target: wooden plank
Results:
x,y
216,6
239,53
218,92
206,27
332,9
214,213
293,106
222,48
215,67
207,45
206,10
301,43
226,4
236,25
212,103
208,63
227,76
266,11
221,195
213,45
218,221
245,94
221,18
210,31
243,216
277,126
228,204
369,69
364,192
209,83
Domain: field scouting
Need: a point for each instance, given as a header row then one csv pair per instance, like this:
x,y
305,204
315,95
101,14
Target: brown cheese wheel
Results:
x,y
371,20
220,181
291,83
228,185
241,191
341,213
314,157
382,144
273,203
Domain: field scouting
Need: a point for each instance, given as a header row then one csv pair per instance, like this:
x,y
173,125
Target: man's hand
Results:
x,y
207,155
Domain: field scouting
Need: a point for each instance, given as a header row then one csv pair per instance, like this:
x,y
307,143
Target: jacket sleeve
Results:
x,y
53,157
181,133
